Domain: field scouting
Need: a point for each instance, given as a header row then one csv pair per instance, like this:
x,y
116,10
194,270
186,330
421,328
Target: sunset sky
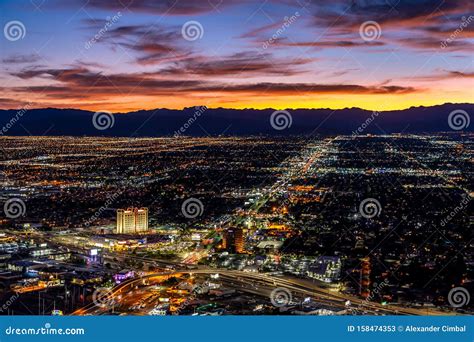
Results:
x,y
247,57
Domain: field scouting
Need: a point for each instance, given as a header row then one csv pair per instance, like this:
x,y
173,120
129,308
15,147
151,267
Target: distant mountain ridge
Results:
x,y
198,121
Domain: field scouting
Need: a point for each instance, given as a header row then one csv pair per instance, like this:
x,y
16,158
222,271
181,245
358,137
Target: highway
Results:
x,y
262,284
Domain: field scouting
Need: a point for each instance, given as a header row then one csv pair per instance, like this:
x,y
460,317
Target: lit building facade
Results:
x,y
326,268
132,220
233,240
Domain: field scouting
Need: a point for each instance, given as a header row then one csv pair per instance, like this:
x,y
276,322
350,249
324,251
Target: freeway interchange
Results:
x,y
261,285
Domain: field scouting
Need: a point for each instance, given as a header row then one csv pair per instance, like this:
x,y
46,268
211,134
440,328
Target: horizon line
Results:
x,y
237,109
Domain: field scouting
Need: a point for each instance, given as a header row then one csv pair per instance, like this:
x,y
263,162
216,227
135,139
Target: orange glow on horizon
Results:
x,y
448,92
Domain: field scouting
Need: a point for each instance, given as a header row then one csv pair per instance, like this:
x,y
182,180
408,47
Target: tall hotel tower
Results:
x,y
132,221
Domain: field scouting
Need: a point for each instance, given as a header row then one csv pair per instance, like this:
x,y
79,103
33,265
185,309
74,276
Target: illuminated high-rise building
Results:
x,y
132,220
365,271
234,240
